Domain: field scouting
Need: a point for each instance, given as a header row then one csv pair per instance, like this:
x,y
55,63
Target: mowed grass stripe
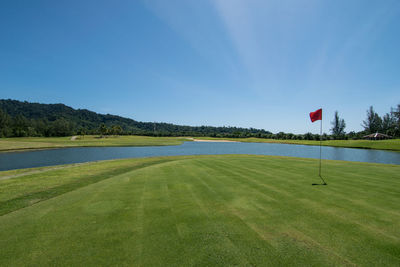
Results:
x,y
304,208
248,207
43,189
160,231
213,210
195,222
107,219
243,241
336,195
242,206
215,240
341,180
345,207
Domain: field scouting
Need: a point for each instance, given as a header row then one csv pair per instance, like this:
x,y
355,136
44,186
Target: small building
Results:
x,y
377,136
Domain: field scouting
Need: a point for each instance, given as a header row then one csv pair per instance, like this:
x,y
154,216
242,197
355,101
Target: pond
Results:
x,y
18,160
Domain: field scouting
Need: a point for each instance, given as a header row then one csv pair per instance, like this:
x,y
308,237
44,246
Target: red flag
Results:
x,y
316,115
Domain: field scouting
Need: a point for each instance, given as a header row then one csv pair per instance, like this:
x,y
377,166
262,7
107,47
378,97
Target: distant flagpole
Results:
x,y
320,149
315,116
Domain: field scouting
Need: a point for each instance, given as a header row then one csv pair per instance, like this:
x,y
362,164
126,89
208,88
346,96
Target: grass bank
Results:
x,y
27,143
201,210
392,144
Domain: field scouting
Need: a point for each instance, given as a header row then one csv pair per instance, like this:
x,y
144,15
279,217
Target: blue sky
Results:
x,y
261,64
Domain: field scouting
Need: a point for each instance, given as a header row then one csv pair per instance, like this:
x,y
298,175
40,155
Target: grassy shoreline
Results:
x,y
202,210
40,143
392,144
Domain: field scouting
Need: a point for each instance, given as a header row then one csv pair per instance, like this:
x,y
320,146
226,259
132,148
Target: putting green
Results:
x,y
202,210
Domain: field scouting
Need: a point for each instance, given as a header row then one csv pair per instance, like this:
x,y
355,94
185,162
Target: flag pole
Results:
x,y
320,149
315,116
320,153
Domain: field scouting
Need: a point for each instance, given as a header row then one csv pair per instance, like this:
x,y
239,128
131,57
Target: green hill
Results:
x,y
19,119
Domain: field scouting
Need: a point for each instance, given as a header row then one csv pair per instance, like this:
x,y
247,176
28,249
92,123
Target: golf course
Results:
x,y
200,133
220,210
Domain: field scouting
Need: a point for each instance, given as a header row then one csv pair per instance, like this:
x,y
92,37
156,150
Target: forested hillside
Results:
x,y
33,119
19,119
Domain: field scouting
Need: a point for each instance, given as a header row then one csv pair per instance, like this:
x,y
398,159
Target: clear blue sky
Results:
x,y
262,64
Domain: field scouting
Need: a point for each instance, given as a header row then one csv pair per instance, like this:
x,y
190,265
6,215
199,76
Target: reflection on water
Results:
x,y
17,160
337,154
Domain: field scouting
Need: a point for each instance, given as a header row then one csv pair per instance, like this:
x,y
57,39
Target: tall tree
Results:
x,y
389,124
103,129
5,129
82,131
42,127
373,123
116,129
338,126
20,126
61,127
396,117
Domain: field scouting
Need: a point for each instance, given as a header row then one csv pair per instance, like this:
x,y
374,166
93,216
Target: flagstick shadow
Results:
x,y
324,183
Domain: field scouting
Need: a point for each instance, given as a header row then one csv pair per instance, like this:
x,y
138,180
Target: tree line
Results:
x,y
389,124
22,119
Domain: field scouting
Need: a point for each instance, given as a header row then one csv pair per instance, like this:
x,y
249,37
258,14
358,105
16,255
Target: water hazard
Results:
x,y
18,160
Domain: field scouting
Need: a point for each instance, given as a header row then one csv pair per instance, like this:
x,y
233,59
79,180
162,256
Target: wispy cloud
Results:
x,y
266,35
238,20
198,25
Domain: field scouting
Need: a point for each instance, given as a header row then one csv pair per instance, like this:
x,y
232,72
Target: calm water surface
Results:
x,y
17,160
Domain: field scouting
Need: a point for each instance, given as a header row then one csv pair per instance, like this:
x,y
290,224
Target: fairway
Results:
x,y
201,210
29,143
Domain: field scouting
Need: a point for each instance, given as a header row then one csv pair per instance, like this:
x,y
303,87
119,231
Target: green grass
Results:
x,y
391,144
25,143
201,210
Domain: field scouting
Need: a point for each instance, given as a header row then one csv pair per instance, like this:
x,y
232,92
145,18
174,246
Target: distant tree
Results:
x,y
280,135
82,132
338,126
5,130
396,117
316,137
389,124
41,127
373,123
289,136
61,127
396,112
20,126
308,136
103,129
236,134
116,129
351,135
